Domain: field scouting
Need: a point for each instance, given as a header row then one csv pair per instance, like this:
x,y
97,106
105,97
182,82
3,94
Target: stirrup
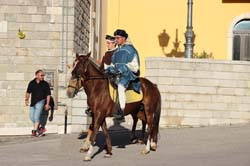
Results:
x,y
88,112
119,116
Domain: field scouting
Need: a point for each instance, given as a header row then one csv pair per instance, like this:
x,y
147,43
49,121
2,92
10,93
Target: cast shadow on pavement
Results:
x,y
119,135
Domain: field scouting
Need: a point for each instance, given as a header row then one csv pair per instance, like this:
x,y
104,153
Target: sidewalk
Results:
x,y
208,146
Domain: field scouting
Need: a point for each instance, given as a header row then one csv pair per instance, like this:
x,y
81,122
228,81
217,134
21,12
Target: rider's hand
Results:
x,y
118,73
110,69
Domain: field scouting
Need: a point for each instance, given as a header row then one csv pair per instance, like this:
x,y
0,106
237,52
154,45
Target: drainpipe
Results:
x,y
98,28
62,56
92,34
67,41
92,28
52,16
67,32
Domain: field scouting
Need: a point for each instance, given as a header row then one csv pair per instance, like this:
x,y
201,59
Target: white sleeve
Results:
x,y
133,65
106,66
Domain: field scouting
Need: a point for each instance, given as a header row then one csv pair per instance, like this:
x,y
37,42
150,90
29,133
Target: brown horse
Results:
x,y
86,74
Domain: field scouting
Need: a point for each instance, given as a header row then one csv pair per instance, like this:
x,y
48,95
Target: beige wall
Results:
x,y
201,92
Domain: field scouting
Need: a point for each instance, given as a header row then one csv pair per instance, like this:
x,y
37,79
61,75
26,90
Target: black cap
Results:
x,y
108,37
121,32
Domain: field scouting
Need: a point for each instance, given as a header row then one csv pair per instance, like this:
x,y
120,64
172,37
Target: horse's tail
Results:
x,y
156,118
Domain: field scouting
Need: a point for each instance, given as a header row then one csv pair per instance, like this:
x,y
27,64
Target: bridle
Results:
x,y
76,87
84,78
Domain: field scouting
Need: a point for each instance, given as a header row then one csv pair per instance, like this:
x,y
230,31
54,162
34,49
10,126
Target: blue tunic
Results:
x,y
122,56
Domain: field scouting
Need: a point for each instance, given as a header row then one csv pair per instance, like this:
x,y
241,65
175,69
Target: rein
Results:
x,y
86,78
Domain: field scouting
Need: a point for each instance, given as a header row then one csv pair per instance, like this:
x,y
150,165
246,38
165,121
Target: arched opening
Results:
x,y
241,40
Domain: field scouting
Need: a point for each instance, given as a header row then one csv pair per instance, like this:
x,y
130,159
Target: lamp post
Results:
x,y
189,35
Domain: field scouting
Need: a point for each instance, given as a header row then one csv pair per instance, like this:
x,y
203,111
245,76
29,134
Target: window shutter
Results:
x,y
236,47
247,47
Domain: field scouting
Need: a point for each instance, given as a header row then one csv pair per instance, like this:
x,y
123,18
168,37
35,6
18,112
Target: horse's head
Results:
x,y
78,74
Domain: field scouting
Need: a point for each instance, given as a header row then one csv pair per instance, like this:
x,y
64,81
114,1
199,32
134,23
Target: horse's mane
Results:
x,y
95,65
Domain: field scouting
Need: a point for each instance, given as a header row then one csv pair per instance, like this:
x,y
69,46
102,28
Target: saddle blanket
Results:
x,y
131,95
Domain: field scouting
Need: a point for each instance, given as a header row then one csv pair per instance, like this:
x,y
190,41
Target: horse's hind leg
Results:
x,y
141,139
154,139
150,129
108,140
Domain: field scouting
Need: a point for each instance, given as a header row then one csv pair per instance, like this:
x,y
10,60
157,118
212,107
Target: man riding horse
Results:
x,y
125,63
88,76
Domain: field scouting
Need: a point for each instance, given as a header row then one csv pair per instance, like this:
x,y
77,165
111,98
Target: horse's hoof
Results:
x,y
153,148
87,158
144,152
83,150
140,141
107,155
134,141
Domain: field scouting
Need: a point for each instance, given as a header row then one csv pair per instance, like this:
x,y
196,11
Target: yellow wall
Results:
x,y
212,20
144,20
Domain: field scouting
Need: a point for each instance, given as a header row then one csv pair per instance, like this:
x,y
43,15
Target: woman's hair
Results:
x,y
108,37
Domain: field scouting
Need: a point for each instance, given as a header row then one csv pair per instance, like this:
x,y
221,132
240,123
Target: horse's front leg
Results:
x,y
108,140
93,138
86,142
133,137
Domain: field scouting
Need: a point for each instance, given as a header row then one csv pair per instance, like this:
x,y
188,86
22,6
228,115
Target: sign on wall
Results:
x,y
51,76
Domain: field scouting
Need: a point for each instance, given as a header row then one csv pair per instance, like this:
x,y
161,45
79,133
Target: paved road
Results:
x,y
208,146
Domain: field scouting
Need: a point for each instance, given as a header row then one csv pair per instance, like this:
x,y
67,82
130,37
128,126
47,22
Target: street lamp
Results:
x,y
189,35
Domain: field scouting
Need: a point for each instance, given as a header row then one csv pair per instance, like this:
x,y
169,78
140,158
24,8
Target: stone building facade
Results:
x,y
54,30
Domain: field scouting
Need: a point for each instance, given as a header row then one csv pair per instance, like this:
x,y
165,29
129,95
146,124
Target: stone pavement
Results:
x,y
208,146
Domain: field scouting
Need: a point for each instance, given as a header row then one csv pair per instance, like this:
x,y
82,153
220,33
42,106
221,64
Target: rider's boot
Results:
x,y
119,115
122,101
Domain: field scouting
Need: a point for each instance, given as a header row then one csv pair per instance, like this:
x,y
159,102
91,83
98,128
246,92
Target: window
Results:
x,y
241,40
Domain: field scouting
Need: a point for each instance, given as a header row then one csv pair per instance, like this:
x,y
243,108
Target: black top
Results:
x,y
39,91
106,59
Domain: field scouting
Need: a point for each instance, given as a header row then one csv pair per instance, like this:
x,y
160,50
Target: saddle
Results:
x,y
131,95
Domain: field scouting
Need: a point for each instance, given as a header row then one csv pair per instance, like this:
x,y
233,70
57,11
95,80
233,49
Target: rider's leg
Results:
x,y
122,101
122,96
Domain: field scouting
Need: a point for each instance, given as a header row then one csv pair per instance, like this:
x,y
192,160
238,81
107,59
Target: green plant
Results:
x,y
203,55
